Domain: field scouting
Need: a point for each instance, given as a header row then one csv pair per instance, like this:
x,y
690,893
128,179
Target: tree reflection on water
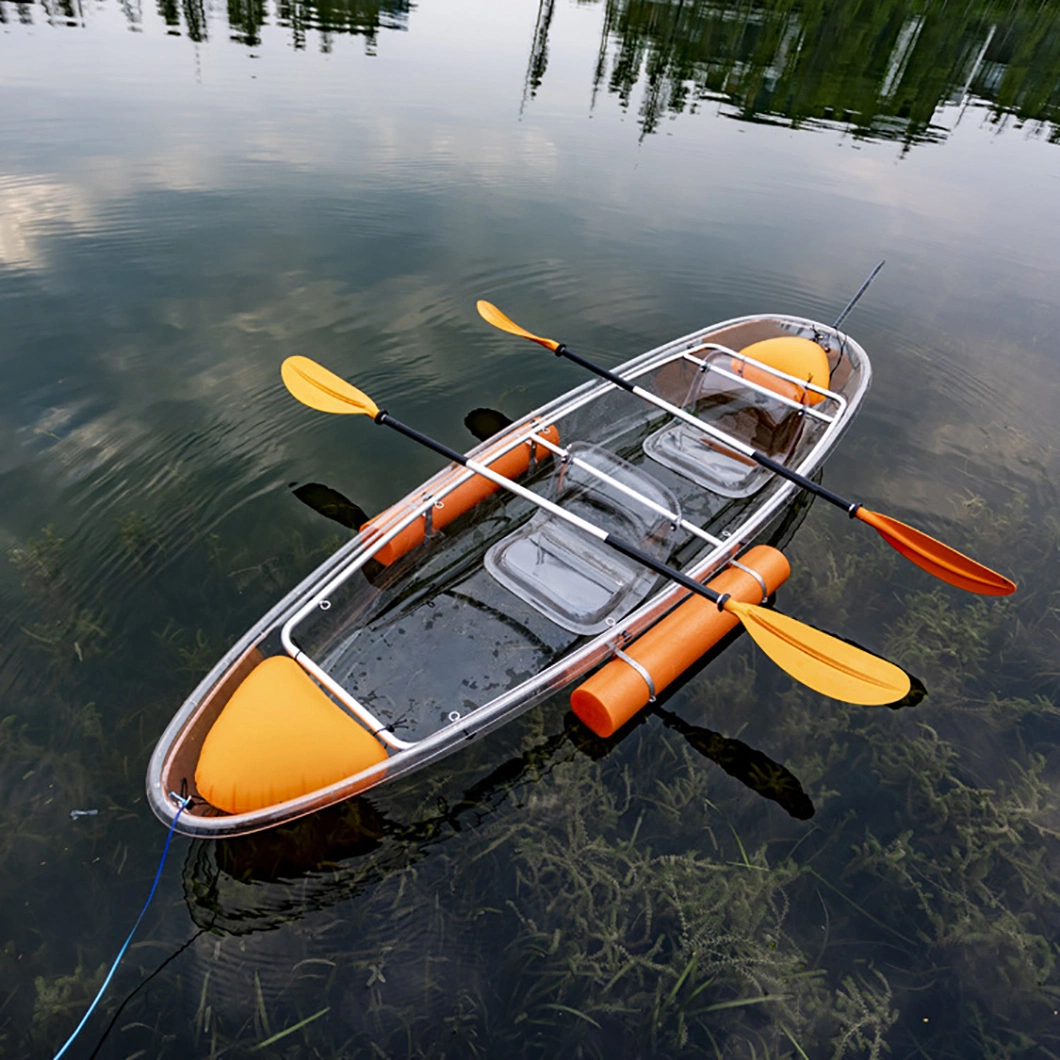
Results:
x,y
878,70
361,18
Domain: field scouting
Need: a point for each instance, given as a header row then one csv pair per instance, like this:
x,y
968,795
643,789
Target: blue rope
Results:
x,y
125,945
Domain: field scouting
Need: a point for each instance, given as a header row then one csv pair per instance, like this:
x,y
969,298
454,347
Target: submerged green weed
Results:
x,y
956,859
67,631
668,948
644,904
641,903
863,1008
65,995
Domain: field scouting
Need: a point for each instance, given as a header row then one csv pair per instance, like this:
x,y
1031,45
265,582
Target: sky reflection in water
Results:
x,y
183,205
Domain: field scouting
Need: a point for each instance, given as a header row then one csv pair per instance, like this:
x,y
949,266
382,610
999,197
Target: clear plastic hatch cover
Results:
x,y
577,581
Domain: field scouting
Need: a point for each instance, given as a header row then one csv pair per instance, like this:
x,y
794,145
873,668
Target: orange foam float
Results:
x,y
511,465
608,699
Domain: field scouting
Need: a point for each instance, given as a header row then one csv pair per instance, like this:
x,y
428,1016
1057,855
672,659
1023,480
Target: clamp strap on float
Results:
x,y
512,462
754,574
630,661
608,699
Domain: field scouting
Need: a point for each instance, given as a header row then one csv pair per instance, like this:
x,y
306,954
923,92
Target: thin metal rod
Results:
x,y
850,507
385,419
861,290
674,517
808,410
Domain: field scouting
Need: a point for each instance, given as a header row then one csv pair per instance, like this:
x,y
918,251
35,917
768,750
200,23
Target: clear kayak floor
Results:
x,y
423,666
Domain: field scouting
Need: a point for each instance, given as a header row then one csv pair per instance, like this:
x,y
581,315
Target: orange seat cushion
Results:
x,y
279,737
801,358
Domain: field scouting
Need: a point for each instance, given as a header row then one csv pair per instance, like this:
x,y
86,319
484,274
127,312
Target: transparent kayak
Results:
x,y
462,606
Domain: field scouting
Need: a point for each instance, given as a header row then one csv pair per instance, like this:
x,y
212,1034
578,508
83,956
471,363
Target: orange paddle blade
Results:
x,y
938,559
492,315
820,661
315,386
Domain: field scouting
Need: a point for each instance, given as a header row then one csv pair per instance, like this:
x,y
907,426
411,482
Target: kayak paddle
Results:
x,y
822,662
941,560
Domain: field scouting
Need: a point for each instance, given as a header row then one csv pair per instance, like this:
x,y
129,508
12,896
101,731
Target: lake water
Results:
x,y
189,193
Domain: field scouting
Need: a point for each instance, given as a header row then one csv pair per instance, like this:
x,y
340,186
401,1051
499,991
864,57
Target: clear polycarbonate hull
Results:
x,y
505,607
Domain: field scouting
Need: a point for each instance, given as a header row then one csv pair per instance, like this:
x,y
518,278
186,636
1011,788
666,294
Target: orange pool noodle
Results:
x,y
279,737
608,699
511,465
801,358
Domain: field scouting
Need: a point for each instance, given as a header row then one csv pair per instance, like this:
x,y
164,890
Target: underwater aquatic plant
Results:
x,y
66,630
579,897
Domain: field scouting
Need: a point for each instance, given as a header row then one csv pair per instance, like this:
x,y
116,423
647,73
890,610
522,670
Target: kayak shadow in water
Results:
x,y
331,504
257,882
338,852
353,844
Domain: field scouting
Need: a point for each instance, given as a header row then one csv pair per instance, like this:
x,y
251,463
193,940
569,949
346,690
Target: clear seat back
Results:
x,y
574,579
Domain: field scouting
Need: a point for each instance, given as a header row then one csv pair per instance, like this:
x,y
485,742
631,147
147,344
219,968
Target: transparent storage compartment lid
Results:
x,y
575,580
758,420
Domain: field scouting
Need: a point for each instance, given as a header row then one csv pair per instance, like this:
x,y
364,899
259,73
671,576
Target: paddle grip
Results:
x,y
806,483
661,568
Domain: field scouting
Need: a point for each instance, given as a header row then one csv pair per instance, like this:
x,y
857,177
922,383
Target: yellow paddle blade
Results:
x,y
320,389
938,559
822,662
492,315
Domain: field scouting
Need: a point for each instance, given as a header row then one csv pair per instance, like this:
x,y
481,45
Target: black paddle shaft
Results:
x,y
777,468
850,507
384,418
667,572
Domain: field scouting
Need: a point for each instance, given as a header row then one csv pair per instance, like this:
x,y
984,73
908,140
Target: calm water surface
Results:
x,y
189,193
